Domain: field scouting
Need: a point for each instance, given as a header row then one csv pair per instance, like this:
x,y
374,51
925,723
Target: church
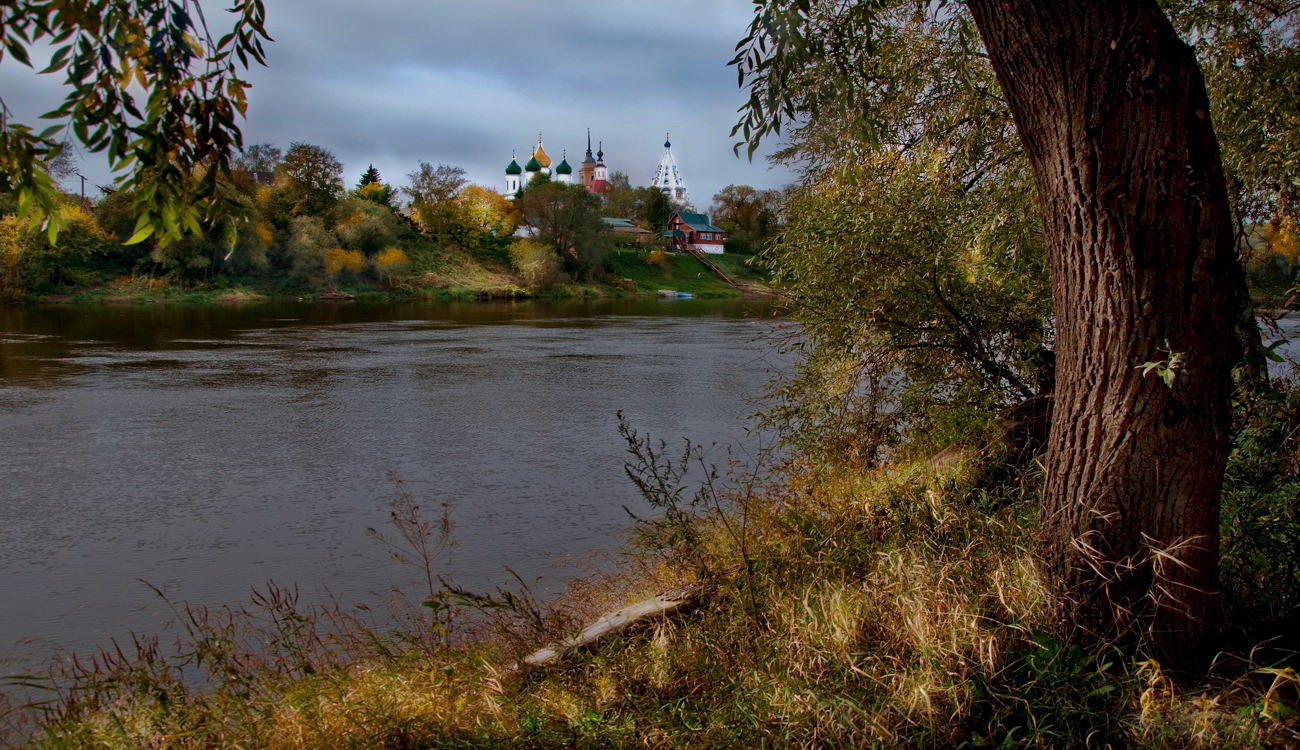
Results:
x,y
668,178
593,174
539,163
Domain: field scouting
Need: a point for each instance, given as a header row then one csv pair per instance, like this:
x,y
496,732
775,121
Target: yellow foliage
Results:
x,y
373,188
1284,240
74,214
263,196
489,211
657,258
339,259
263,232
536,264
353,218
11,233
389,257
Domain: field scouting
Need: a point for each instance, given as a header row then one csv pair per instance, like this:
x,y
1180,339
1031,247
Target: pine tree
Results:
x,y
370,175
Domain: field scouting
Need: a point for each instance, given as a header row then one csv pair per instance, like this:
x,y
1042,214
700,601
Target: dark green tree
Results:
x,y
369,176
655,209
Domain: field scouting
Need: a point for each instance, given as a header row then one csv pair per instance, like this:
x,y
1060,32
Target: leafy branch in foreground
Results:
x,y
171,143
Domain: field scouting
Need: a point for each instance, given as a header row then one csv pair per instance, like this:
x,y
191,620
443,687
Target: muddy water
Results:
x,y
208,450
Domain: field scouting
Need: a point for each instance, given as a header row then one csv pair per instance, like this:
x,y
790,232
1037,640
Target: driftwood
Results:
x,y
673,601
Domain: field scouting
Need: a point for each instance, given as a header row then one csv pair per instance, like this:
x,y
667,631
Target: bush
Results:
x,y
1260,516
536,264
657,258
308,242
338,260
390,261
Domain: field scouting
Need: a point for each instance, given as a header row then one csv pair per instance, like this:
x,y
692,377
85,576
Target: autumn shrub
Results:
x,y
362,225
389,261
31,263
536,264
262,230
338,260
657,258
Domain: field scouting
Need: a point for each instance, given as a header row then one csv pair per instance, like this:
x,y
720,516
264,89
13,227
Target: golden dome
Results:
x,y
541,157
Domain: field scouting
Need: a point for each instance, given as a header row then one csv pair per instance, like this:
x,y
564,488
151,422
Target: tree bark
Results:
x,y
1112,110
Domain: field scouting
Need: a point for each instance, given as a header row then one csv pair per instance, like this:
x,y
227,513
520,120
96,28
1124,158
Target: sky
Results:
x,y
466,82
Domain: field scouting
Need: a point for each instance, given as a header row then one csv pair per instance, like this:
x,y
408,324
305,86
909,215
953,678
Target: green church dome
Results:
x,y
513,168
564,167
532,165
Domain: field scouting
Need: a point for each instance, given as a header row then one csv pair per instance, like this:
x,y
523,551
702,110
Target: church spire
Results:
x,y
668,178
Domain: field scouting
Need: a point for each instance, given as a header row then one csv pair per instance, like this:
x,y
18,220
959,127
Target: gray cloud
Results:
x,y
393,82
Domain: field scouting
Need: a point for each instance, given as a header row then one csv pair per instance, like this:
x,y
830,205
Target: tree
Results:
x,y
313,178
61,165
258,158
431,185
434,207
748,215
1113,114
489,212
371,187
947,319
568,219
1251,60
655,209
176,144
371,175
645,205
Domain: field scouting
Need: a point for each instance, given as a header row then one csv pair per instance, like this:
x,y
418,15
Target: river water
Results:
x,y
208,450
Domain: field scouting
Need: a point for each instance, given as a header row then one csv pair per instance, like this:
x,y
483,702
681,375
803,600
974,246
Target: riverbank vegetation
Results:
x,y
300,234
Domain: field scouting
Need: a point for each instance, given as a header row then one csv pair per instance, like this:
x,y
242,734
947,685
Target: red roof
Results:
x,y
598,186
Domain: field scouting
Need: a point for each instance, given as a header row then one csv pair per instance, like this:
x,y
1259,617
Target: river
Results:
x,y
206,450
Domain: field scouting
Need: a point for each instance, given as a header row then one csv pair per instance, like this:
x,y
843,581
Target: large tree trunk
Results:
x,y
1113,113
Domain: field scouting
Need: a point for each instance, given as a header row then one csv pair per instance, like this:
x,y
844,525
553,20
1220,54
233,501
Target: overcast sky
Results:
x,y
394,82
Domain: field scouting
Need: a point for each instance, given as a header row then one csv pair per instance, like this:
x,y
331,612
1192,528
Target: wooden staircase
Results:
x,y
747,287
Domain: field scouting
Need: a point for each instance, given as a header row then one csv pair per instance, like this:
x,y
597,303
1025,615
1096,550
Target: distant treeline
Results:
x,y
302,230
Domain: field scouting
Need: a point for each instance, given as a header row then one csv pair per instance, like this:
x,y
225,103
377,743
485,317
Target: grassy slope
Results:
x,y
683,273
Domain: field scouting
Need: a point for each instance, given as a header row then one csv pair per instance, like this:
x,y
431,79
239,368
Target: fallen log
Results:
x,y
671,602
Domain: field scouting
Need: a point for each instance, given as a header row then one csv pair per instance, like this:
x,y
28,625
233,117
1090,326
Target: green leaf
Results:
x,y
59,60
141,234
19,53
